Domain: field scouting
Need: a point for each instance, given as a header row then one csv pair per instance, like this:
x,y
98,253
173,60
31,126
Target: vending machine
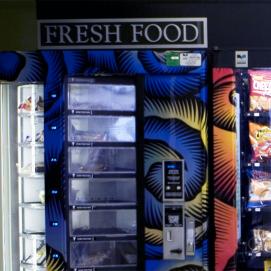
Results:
x,y
22,176
117,140
241,148
254,182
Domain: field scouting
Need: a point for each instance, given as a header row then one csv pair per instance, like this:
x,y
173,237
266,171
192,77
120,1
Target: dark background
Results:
x,y
232,25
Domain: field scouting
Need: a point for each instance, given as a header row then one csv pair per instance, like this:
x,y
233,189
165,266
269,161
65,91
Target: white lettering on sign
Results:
x,y
137,33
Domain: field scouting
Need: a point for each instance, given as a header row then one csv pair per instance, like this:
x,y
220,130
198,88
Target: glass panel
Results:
x,y
103,222
34,252
28,94
102,191
33,220
100,129
104,253
31,162
86,96
88,160
33,190
26,130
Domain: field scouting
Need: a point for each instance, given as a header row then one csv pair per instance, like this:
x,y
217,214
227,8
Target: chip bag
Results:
x,y
260,90
260,139
262,240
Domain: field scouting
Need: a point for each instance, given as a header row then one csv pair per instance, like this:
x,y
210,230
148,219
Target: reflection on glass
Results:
x,y
98,159
102,191
33,220
103,253
100,222
101,129
87,96
34,252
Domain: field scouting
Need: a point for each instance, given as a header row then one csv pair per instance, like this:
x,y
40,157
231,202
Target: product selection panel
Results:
x,y
173,180
178,231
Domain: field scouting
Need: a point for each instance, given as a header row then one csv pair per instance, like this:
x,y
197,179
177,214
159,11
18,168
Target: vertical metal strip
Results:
x,y
2,261
5,181
238,166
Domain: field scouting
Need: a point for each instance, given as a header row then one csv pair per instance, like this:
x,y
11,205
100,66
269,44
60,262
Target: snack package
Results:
x,y
260,90
262,240
259,189
260,139
259,193
267,265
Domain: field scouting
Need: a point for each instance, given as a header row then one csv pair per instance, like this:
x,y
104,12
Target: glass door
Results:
x,y
102,174
22,177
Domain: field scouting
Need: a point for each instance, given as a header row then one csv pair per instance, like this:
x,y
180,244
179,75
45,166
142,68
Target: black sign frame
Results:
x,y
123,33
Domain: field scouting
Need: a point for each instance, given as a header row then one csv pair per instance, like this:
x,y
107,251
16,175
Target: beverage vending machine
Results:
x,y
118,142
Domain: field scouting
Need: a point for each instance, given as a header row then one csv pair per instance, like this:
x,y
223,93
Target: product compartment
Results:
x,y
102,159
31,130
101,128
31,98
31,161
102,191
32,190
33,252
259,99
33,219
260,141
103,222
94,96
103,253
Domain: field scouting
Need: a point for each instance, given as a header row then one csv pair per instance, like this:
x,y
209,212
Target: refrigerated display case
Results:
x,y
102,174
24,155
30,104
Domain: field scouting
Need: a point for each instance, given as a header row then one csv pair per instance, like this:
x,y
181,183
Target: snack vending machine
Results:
x,y
254,184
241,117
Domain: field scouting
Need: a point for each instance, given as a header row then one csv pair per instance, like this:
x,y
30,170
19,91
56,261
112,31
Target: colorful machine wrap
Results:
x,y
224,168
175,127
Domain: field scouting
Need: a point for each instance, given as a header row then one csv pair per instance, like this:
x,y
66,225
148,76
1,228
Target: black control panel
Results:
x,y
173,180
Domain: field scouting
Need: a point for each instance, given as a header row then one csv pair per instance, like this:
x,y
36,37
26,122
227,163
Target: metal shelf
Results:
x,y
30,114
109,267
34,205
31,145
33,236
32,267
92,205
30,175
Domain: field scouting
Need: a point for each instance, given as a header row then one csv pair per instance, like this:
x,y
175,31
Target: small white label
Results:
x,y
241,59
190,59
